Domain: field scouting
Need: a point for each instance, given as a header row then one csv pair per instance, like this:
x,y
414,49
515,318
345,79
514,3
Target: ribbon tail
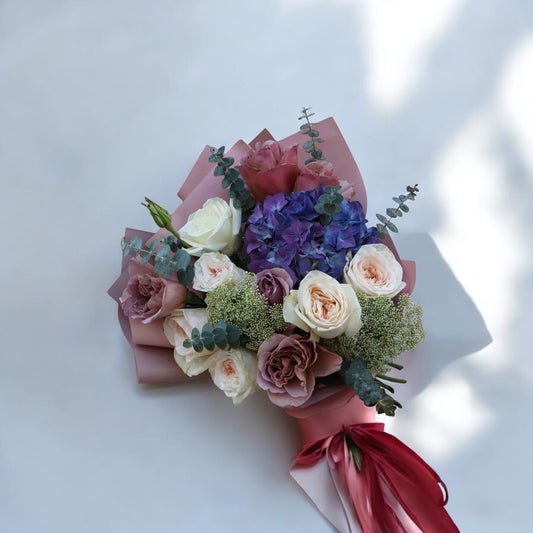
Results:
x,y
405,489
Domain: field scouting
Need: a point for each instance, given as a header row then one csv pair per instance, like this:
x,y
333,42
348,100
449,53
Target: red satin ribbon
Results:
x,y
395,491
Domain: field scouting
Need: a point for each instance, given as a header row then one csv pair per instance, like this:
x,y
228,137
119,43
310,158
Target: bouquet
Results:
x,y
269,278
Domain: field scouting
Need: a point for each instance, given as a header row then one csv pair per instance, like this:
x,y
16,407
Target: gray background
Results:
x,y
104,102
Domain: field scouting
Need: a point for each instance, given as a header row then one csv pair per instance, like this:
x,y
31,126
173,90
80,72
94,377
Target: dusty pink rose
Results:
x,y
315,174
288,366
274,284
348,190
148,296
267,169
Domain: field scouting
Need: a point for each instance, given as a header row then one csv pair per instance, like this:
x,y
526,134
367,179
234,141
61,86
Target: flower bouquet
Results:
x,y
268,277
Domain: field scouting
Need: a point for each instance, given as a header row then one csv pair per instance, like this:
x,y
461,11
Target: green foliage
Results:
x,y
386,223
232,180
244,306
170,257
355,453
388,331
328,204
221,336
310,146
358,377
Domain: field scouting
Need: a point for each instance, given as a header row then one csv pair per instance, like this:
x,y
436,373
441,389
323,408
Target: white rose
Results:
x,y
213,228
178,326
323,307
214,269
235,372
374,271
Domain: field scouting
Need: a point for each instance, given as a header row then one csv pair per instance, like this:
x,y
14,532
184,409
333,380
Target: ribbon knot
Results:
x,y
391,490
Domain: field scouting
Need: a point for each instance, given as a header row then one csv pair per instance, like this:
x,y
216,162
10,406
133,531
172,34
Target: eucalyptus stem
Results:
x,y
310,146
395,365
385,386
390,378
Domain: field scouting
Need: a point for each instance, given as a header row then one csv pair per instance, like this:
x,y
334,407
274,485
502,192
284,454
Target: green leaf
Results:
x,y
233,173
307,146
187,343
238,185
219,170
198,345
304,126
233,334
313,133
186,276
136,244
181,259
163,251
122,243
164,266
310,160
325,219
219,336
152,247
392,227
391,212
228,161
146,257
319,140
382,218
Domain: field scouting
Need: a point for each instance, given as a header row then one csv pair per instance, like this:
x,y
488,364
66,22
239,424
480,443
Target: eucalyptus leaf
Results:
x,y
163,251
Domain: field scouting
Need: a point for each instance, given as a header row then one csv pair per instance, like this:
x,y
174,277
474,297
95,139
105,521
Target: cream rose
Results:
x,y
323,307
234,372
178,327
374,271
213,228
213,269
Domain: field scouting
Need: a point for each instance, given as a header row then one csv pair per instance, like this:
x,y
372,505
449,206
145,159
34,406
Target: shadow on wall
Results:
x,y
454,326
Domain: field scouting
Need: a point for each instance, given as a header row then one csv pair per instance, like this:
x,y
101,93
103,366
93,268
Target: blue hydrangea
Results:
x,y
285,231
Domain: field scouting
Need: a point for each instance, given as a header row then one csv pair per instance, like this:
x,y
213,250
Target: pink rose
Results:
x,y
288,366
347,190
267,169
148,296
274,284
315,174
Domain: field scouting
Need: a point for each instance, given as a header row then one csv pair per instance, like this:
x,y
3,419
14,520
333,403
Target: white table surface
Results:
x,y
104,102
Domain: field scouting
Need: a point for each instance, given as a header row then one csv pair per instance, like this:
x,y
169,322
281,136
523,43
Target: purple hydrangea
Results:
x,y
285,231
